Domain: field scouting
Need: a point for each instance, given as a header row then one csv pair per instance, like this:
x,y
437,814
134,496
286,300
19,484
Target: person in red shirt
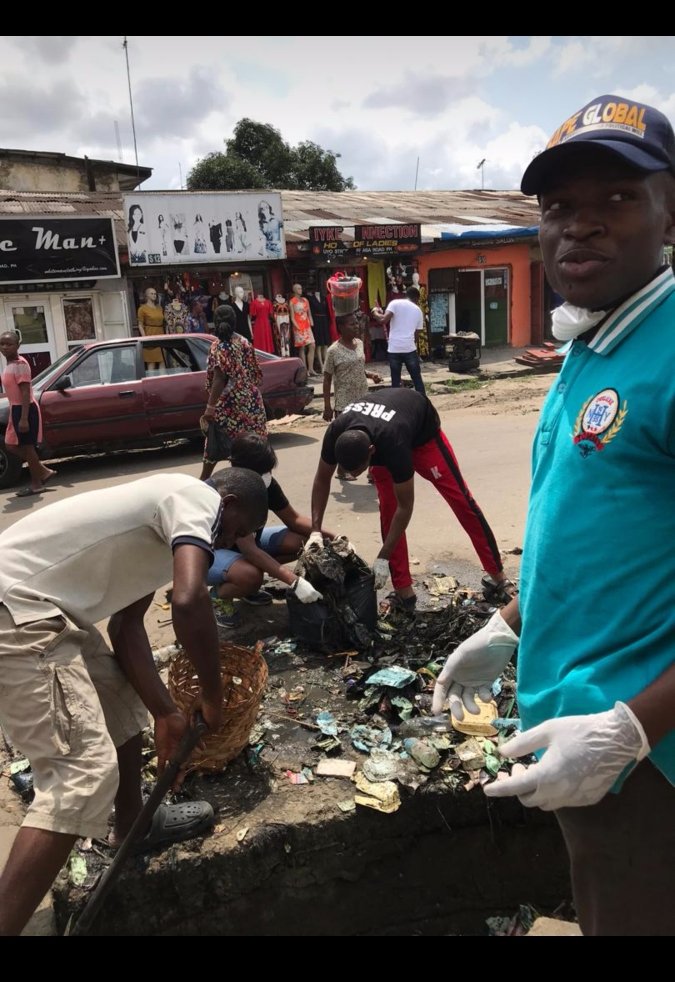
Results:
x,y
24,427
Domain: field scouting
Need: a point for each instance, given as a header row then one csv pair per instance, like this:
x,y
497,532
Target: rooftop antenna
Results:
x,y
131,103
119,142
481,168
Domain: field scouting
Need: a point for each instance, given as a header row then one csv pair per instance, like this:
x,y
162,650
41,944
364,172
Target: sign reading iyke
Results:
x,y
600,420
623,116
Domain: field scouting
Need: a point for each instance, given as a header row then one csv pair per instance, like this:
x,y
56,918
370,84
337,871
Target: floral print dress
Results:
x,y
240,409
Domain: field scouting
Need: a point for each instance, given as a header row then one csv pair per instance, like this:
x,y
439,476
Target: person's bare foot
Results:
x,y
47,474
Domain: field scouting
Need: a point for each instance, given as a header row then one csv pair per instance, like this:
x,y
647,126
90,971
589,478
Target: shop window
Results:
x,y
111,366
175,359
31,324
79,317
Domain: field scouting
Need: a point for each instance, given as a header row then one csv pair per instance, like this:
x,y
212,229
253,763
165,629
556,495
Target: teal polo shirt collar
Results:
x,y
623,321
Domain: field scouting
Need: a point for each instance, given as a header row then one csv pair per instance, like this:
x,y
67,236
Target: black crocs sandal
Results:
x,y
409,605
176,823
498,593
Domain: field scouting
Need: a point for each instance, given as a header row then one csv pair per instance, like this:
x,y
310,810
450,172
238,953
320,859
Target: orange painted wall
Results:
x,y
515,257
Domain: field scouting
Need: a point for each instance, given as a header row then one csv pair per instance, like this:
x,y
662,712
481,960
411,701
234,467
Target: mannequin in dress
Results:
x,y
242,310
176,316
282,326
151,323
321,322
303,334
262,312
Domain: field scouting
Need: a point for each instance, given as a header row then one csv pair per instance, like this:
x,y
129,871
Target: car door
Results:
x,y
103,403
175,392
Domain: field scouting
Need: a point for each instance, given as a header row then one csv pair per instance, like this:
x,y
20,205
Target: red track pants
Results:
x,y
436,462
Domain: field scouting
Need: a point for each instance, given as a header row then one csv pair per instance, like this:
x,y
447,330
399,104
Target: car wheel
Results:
x,y
10,468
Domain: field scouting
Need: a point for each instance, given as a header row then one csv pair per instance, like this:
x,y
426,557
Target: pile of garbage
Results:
x,y
375,727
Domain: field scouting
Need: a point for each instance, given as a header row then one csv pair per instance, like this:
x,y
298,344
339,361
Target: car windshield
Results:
x,y
45,377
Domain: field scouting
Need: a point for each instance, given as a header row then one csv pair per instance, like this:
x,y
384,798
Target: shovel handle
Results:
x,y
189,741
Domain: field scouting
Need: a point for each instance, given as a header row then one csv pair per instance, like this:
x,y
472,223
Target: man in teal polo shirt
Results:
x,y
596,666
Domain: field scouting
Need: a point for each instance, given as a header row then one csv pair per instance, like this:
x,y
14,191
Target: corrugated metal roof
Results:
x,y
432,209
98,204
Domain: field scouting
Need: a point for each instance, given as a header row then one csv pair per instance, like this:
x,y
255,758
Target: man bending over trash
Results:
x,y
75,708
398,434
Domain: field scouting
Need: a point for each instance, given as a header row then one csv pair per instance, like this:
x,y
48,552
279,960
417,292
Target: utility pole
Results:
x,y
131,103
120,156
417,173
481,168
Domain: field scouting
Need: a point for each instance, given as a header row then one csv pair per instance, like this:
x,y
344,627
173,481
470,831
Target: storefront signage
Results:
x,y
44,250
195,229
56,287
386,240
326,241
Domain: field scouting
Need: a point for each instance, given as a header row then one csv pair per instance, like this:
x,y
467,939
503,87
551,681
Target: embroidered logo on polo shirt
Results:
x,y
599,422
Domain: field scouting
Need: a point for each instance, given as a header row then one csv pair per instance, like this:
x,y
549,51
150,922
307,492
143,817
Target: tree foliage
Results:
x,y
257,156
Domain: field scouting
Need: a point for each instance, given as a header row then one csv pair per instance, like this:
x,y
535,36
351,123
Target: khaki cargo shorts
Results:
x,y
66,705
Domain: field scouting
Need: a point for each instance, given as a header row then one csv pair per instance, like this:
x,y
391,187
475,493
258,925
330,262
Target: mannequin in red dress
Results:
x,y
262,312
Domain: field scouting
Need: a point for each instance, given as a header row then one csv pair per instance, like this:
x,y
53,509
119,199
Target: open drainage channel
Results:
x,y
403,842
295,865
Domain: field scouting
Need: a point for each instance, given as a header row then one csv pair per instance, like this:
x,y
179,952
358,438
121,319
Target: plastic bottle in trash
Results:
x,y
421,726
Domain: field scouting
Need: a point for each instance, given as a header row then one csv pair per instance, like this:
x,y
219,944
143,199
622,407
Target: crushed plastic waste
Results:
x,y
367,738
382,765
394,677
383,797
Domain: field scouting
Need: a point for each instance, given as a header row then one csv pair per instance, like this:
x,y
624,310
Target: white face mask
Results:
x,y
267,480
570,322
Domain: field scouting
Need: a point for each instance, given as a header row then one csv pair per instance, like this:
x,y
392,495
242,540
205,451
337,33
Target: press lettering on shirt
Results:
x,y
376,410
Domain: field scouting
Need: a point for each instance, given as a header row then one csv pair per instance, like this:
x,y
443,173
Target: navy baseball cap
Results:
x,y
640,135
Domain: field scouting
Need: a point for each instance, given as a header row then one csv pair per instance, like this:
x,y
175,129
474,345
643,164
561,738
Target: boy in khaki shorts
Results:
x,y
75,708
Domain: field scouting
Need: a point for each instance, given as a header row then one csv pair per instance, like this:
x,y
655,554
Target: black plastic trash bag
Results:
x,y
348,613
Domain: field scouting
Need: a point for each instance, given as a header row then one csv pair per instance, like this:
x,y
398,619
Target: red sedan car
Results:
x,y
100,396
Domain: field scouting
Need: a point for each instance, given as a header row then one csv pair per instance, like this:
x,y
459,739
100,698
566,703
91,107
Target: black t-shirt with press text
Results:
x,y
396,420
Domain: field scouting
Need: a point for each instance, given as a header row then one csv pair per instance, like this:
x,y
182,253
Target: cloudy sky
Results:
x,y
379,101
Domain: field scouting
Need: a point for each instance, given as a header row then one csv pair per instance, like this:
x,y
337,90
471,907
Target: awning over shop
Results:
x,y
484,232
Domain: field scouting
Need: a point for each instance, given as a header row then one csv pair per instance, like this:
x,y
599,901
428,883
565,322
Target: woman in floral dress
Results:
x,y
233,378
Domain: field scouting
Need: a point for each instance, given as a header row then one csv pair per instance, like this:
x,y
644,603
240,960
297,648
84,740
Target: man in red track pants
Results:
x,y
399,434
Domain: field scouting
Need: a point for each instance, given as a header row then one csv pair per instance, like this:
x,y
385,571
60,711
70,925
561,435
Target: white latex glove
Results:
x,y
473,668
315,542
381,572
305,592
584,757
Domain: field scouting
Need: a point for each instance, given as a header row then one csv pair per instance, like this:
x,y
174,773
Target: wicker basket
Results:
x,y
244,673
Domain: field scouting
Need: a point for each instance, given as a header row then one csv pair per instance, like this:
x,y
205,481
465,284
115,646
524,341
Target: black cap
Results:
x,y
638,134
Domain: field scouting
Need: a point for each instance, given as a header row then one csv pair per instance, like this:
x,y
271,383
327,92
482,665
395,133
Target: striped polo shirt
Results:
x,y
598,573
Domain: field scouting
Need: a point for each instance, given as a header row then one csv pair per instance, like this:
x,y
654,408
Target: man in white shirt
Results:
x,y
403,319
75,708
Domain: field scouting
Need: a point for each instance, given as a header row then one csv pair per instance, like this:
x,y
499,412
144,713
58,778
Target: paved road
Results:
x,y
493,451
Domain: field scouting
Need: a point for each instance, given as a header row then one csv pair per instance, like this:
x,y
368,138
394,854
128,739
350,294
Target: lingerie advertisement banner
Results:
x,y
195,229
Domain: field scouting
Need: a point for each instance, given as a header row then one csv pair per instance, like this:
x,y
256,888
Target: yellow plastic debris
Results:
x,y
382,796
480,725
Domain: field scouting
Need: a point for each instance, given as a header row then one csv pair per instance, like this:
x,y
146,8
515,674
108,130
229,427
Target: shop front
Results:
x,y
481,286
383,257
60,284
